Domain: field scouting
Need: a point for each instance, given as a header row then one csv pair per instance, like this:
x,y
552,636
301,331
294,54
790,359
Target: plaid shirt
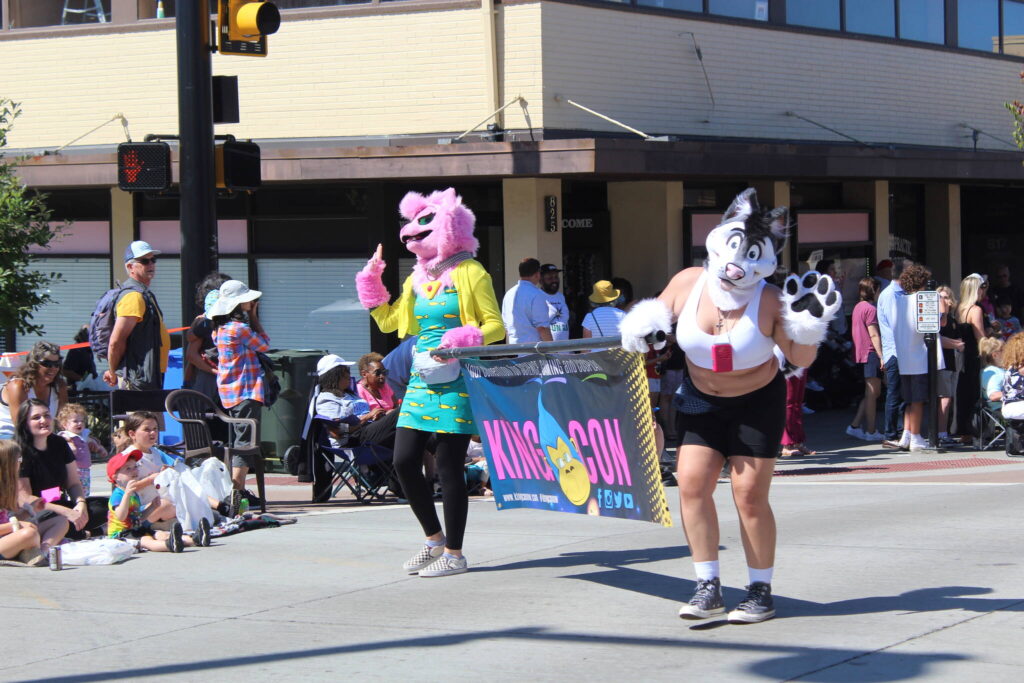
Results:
x,y
239,376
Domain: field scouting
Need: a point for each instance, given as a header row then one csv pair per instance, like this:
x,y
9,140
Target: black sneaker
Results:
x,y
201,536
175,543
706,601
757,606
254,500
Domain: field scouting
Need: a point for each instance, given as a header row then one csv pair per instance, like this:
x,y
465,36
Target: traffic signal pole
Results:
x,y
197,177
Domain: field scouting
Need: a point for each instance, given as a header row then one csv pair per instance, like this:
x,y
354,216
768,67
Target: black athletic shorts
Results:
x,y
749,425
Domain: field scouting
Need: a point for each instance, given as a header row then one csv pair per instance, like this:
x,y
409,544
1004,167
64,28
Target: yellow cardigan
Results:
x,y
477,304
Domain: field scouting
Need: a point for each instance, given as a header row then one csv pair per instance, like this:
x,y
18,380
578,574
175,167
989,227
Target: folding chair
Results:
x,y
192,409
365,470
989,426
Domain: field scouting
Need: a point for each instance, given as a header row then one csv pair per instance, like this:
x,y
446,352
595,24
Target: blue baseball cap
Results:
x,y
138,249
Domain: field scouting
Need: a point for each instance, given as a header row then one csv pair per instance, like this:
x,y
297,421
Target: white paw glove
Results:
x,y
646,317
809,303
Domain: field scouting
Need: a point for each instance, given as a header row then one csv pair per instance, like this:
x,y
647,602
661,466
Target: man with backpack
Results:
x,y
138,341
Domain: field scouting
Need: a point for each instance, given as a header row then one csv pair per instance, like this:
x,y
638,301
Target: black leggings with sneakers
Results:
x,y
450,458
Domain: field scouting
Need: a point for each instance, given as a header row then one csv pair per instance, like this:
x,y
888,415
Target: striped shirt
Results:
x,y
604,321
239,376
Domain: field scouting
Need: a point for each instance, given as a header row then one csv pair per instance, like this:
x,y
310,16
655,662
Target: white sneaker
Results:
x,y
446,565
918,444
856,432
425,557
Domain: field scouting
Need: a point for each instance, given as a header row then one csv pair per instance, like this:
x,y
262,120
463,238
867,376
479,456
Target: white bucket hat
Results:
x,y
329,362
232,293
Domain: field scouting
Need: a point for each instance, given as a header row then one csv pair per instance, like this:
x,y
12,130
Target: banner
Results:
x,y
569,432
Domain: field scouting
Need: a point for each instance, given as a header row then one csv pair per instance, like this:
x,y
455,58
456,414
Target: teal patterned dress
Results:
x,y
442,408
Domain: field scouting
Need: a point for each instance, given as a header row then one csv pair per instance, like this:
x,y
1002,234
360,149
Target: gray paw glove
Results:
x,y
809,303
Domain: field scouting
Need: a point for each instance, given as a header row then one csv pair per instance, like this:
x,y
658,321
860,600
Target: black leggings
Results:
x,y
450,457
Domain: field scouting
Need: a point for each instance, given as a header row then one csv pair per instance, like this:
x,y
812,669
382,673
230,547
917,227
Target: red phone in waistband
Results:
x,y
721,357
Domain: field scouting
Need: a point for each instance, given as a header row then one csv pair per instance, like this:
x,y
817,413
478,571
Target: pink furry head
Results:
x,y
439,226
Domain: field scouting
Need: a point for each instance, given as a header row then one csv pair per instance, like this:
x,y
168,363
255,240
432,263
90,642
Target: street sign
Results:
x,y
927,312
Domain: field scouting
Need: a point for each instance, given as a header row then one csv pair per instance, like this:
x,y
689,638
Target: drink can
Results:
x,y
56,561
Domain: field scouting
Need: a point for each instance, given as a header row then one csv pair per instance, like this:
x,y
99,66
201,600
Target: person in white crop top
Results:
x,y
731,407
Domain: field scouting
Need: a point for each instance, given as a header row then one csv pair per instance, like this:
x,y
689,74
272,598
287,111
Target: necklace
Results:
x,y
721,321
449,262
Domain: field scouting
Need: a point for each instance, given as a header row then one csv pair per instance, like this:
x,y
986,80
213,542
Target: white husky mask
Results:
x,y
742,250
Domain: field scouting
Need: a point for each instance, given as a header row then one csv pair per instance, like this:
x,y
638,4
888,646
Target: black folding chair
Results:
x,y
193,410
365,470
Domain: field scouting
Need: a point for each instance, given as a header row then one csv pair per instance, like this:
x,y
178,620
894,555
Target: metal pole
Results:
x,y
930,341
196,164
532,347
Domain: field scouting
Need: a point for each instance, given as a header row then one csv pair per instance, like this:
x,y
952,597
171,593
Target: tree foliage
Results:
x,y
24,222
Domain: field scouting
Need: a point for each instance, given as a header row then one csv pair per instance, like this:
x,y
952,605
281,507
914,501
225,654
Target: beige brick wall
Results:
x,y
425,72
642,70
382,75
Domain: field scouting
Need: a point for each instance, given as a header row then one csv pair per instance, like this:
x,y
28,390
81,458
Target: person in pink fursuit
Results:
x,y
448,301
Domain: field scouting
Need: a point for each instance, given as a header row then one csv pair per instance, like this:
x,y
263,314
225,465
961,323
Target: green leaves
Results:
x,y
25,221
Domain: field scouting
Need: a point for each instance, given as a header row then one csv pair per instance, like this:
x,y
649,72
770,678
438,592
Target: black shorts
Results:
x,y
914,388
748,425
872,367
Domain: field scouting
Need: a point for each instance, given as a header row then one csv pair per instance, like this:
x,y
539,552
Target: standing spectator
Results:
x,y
79,363
886,311
625,288
671,378
604,319
867,352
883,273
39,378
970,321
558,309
239,336
913,357
200,365
139,342
48,471
524,310
1004,291
398,363
952,358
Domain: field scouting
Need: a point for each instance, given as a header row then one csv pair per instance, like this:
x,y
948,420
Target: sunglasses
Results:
x,y
146,261
381,372
50,363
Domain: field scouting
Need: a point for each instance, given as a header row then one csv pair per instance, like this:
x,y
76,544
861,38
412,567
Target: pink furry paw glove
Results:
x,y
467,335
369,286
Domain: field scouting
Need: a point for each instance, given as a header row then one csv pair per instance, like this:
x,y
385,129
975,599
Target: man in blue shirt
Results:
x,y
888,314
524,310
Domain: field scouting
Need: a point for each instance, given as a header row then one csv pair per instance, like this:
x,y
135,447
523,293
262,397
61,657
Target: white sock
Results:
x,y
760,575
917,439
905,439
435,544
706,570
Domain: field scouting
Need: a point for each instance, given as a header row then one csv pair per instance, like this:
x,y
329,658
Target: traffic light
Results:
x,y
238,165
144,166
243,26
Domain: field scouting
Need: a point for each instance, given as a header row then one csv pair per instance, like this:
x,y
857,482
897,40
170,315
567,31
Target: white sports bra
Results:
x,y
750,347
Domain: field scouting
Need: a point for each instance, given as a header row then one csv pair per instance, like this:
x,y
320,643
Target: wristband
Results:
x,y
81,499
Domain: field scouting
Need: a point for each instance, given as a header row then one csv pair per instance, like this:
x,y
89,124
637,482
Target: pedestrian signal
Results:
x,y
144,166
238,165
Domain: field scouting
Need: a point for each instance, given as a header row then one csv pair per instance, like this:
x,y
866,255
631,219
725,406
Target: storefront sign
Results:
x,y
569,433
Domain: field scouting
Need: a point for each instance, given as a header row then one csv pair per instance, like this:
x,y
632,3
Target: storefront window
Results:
x,y
815,13
923,20
978,25
874,17
687,5
744,9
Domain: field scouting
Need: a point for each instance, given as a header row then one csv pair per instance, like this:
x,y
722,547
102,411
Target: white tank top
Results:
x,y
6,426
750,347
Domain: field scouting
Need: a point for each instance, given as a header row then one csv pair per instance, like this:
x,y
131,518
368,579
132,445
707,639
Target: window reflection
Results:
x,y
816,13
978,25
745,9
687,5
874,17
923,20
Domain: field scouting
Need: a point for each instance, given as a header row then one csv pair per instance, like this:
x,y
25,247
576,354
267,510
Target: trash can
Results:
x,y
281,424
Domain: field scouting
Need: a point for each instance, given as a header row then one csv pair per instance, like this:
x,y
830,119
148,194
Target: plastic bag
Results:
x,y
97,551
180,486
214,478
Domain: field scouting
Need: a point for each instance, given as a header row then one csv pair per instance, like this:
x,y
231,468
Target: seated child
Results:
x,y
71,421
354,422
1005,324
125,517
477,476
19,540
991,351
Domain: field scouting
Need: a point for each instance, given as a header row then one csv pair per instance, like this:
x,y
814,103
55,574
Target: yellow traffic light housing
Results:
x,y
243,26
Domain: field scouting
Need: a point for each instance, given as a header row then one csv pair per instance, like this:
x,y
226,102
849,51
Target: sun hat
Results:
x,y
604,292
118,460
329,362
210,300
138,249
232,293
